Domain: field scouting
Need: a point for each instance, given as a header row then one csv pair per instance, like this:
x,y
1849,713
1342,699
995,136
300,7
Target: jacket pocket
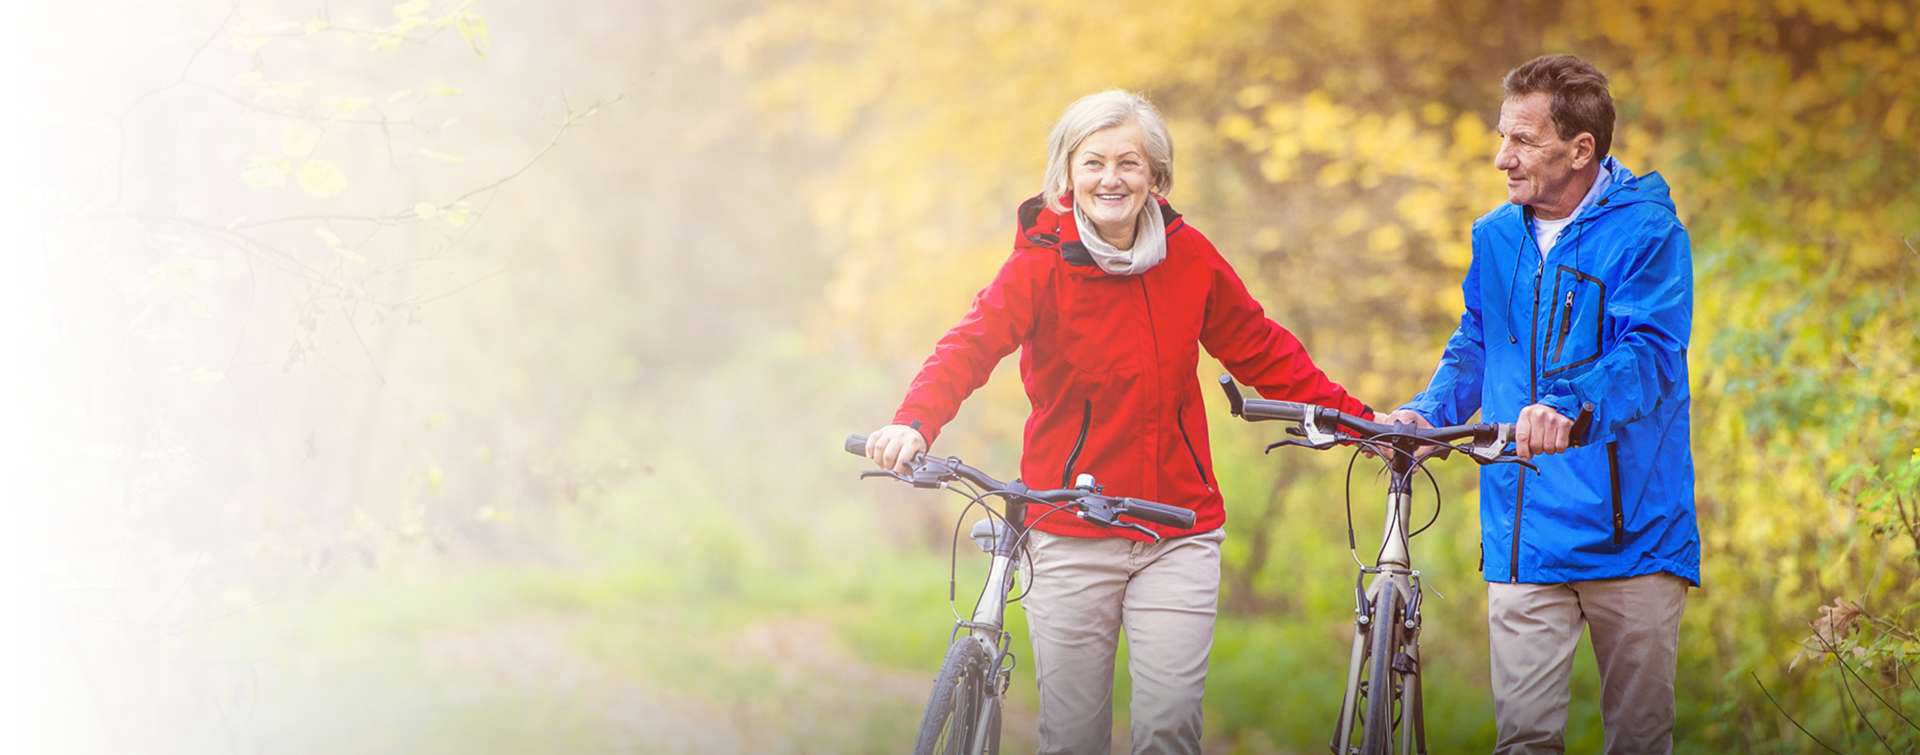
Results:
x,y
1613,479
1180,421
1576,321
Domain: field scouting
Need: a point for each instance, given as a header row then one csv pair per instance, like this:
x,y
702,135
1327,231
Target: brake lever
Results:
x,y
924,476
1142,529
1512,460
1300,443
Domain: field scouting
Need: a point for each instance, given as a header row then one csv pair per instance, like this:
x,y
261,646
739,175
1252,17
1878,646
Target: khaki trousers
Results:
x,y
1532,631
1085,590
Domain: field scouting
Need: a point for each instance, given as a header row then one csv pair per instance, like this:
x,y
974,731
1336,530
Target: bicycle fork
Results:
x,y
988,624
1391,572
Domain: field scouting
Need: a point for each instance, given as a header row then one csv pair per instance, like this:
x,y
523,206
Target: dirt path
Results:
x,y
820,697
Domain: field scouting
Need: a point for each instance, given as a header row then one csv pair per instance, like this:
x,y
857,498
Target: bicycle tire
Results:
x,y
1383,641
960,693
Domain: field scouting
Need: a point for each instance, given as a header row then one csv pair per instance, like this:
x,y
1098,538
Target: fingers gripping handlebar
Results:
x,y
935,471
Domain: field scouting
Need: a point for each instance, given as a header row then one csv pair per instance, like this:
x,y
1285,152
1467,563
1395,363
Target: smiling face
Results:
x,y
1110,178
1543,170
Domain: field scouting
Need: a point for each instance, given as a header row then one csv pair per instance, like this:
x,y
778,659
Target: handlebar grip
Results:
x,y
1234,399
1160,513
1286,411
856,444
1581,425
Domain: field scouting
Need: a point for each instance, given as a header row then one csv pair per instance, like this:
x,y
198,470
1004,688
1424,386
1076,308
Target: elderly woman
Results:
x,y
1110,295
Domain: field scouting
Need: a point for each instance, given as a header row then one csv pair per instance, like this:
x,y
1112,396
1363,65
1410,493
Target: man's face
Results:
x,y
1540,165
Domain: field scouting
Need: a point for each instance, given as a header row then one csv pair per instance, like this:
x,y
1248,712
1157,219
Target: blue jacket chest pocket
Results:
x,y
1577,322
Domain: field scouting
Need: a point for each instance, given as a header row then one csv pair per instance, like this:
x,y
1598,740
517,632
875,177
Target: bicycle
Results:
x,y
963,712
1383,668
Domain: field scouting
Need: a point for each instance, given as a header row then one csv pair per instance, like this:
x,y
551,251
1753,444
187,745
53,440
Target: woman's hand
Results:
x,y
894,446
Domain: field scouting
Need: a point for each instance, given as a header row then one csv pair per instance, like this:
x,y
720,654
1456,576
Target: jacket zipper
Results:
x,y
1086,420
1533,390
1153,338
1566,322
1179,420
1613,476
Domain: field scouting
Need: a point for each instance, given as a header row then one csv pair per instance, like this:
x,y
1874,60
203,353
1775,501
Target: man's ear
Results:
x,y
1582,150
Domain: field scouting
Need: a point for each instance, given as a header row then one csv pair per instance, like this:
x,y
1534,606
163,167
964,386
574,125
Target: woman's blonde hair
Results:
x,y
1096,112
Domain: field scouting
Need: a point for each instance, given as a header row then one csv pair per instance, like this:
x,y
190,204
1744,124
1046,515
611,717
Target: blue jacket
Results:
x,y
1604,320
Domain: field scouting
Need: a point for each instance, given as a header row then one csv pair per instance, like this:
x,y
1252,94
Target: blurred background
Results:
x,y
470,377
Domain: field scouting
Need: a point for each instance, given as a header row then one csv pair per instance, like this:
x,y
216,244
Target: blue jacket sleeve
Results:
x,y
1453,394
1652,317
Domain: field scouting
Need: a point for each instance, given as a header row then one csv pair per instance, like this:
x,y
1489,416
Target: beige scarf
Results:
x,y
1149,242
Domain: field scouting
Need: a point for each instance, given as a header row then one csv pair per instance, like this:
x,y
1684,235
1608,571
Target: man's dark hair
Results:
x,y
1579,94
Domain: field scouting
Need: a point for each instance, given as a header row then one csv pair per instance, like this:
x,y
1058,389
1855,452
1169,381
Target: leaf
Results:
x,y
434,154
473,29
411,8
347,107
426,210
321,179
328,237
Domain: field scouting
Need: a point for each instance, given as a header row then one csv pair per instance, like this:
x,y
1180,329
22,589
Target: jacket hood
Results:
x,y
1627,190
1054,230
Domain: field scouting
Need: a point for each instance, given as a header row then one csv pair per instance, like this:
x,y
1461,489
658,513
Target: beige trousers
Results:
x,y
1085,590
1532,631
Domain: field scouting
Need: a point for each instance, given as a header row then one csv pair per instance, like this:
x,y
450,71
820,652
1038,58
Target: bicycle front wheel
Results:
x,y
960,703
1382,681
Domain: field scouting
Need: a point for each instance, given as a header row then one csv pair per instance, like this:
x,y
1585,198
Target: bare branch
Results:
x,y
573,119
1847,692
1863,682
120,159
1789,717
347,314
407,215
382,122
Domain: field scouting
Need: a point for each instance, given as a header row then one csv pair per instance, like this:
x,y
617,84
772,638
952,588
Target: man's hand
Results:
x,y
1541,430
894,446
1409,417
1412,417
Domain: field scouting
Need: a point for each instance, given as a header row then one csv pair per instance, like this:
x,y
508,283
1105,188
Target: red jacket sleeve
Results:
x,y
1000,320
1259,352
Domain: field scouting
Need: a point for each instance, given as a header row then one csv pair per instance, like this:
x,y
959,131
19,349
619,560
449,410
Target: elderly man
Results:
x,y
1579,296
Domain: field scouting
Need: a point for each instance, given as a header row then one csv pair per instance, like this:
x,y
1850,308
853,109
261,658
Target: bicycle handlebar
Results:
x,y
1486,436
934,471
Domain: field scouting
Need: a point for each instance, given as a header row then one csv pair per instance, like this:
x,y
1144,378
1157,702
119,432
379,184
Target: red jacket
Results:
x,y
1110,366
